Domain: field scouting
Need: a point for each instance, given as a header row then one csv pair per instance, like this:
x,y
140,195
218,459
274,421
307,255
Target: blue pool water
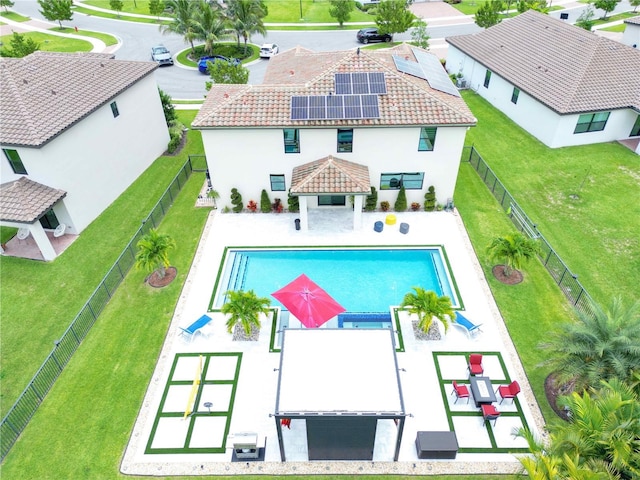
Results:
x,y
361,280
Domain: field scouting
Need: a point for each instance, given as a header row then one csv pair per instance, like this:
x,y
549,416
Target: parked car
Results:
x,y
161,55
202,63
367,35
268,50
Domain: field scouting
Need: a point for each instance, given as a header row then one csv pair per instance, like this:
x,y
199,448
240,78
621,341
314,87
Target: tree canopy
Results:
x,y
227,72
56,10
393,16
341,10
21,46
606,5
246,17
488,14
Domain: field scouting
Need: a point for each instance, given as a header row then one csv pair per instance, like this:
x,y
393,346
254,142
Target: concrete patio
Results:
x,y
240,379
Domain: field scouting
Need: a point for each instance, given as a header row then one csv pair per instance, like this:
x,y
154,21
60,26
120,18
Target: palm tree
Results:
x,y
246,17
244,308
426,304
513,249
209,25
183,13
597,347
153,252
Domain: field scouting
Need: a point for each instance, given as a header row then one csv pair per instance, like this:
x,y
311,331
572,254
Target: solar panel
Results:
x,y
299,108
317,107
360,82
352,106
335,107
409,67
370,106
377,83
343,83
436,75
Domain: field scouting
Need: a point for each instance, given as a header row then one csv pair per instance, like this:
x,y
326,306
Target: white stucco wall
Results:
x,y
95,160
244,159
549,127
631,35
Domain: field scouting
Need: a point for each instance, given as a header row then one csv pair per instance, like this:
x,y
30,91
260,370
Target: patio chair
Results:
x,y
489,412
59,231
469,327
475,364
508,391
22,234
195,327
461,391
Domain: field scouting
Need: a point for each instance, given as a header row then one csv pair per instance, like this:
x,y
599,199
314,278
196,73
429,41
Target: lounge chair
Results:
x,y
195,327
470,328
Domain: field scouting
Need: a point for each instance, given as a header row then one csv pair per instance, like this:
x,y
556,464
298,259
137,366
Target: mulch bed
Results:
x,y
553,391
156,281
513,279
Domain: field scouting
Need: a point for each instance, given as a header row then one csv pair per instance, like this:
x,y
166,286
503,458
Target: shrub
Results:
x,y
401,201
252,206
236,200
430,199
176,130
384,206
294,203
277,206
415,206
265,202
372,200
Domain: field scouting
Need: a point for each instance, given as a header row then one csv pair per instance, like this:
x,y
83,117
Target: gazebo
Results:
x,y
330,176
341,387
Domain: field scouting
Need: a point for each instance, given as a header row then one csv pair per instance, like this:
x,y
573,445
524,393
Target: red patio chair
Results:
x,y
461,391
489,412
509,391
475,364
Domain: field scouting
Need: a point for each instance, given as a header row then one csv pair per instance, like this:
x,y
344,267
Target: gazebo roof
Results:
x,y
340,371
25,201
330,175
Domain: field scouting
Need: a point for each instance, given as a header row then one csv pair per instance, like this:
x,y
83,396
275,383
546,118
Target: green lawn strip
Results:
x,y
187,102
578,196
615,28
195,415
313,11
105,37
530,309
52,43
140,7
16,17
613,18
40,299
96,13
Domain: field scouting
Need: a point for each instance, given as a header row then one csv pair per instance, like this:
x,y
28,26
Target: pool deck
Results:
x,y
423,380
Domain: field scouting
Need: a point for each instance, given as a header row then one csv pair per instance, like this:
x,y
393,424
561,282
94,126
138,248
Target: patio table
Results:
x,y
482,390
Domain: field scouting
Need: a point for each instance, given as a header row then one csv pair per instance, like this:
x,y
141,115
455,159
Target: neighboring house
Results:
x,y
329,125
81,128
564,85
631,35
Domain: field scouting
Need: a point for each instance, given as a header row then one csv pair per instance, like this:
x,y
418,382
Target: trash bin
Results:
x,y
297,221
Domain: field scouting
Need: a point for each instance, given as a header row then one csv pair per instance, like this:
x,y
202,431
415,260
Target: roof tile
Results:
x,y
25,201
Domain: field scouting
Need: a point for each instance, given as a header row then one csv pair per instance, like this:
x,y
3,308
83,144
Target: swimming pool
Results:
x,y
360,279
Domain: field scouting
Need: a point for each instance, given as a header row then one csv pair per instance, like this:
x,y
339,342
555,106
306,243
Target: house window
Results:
x,y
515,94
114,109
49,220
331,200
592,122
291,140
393,181
635,131
487,78
427,139
345,140
277,183
15,161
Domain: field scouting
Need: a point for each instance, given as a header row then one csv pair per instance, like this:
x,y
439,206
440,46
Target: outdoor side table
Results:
x,y
482,390
437,445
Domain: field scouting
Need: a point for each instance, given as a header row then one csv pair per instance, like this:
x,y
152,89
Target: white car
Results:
x,y
268,50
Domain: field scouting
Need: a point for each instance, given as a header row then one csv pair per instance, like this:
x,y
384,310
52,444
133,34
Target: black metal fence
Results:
x,y
566,280
17,418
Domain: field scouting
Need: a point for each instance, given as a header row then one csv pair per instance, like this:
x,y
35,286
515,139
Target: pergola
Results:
x,y
340,382
23,202
330,176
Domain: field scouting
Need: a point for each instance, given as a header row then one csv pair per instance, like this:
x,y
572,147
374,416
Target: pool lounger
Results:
x,y
469,327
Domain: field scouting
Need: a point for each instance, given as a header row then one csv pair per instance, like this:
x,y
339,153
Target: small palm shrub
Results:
x,y
153,252
244,309
513,250
427,305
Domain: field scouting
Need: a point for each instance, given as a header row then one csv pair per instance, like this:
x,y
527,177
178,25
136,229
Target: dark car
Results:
x,y
202,63
367,35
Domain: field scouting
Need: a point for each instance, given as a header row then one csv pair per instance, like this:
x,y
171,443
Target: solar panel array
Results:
x,y
428,68
334,107
360,83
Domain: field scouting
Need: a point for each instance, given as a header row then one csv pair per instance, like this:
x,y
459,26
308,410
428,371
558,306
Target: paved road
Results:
x,y
182,83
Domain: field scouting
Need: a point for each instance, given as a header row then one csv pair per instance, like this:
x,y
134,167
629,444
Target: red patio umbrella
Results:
x,y
308,302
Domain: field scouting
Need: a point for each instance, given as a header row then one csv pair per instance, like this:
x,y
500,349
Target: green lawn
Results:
x,y
616,28
52,43
16,17
105,37
114,16
582,199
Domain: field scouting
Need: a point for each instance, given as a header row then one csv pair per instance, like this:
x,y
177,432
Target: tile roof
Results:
x,y
45,93
300,72
633,20
25,201
330,175
565,67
